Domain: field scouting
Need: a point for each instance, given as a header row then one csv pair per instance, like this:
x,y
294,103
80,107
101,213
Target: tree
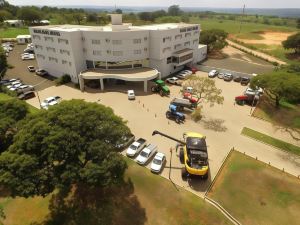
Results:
x,y
174,10
204,89
147,16
4,15
215,39
92,17
119,11
11,111
78,17
29,14
3,62
72,143
298,23
293,42
279,85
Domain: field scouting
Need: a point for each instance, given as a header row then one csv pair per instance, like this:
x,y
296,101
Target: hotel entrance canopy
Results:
x,y
135,74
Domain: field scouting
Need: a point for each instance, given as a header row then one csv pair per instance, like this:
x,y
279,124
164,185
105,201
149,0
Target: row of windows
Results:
x,y
117,42
189,29
46,38
186,44
117,53
178,36
53,59
51,49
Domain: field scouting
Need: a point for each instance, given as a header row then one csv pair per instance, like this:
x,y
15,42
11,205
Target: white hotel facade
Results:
x,y
74,49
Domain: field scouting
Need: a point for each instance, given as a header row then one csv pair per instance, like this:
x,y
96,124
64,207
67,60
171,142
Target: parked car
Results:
x,y
42,72
25,88
27,95
184,74
29,50
27,56
158,162
146,154
221,75
250,91
125,141
190,97
15,87
245,81
228,77
173,80
57,98
14,84
3,81
213,73
131,95
136,147
48,102
188,89
31,68
237,79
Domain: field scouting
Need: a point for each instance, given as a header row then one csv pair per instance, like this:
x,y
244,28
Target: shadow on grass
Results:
x,y
214,124
96,206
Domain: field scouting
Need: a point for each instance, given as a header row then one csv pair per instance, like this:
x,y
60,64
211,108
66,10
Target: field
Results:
x,y
255,193
271,141
12,32
154,200
288,115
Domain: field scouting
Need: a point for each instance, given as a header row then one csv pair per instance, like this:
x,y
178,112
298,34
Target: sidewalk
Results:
x,y
254,52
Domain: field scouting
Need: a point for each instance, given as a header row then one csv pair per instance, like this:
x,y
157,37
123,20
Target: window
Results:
x,y
49,39
189,29
187,34
178,36
70,64
117,53
169,60
182,30
145,49
116,42
137,41
177,46
96,52
107,40
96,42
83,38
187,43
36,37
166,49
64,62
51,59
186,57
50,49
39,47
195,28
84,50
40,56
137,52
145,38
62,51
65,41
168,38
196,32
195,41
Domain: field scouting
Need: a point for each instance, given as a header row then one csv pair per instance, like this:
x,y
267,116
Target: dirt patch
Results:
x,y
217,55
269,38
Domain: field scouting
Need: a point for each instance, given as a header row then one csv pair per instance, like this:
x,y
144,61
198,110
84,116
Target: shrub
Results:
x,y
63,79
196,115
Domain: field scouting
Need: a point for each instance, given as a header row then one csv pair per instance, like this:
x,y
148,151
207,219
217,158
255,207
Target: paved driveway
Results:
x,y
221,124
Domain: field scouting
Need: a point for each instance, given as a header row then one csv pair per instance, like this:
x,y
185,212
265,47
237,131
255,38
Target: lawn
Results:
x,y
32,109
13,32
255,193
271,141
158,198
288,115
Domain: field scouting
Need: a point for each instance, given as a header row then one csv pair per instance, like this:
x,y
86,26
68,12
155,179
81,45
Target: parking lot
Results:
x,y
221,125
20,70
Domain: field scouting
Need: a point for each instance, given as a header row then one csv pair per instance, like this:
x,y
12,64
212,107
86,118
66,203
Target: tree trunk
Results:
x,y
277,102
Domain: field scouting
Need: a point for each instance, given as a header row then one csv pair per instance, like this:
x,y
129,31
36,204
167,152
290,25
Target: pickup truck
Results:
x,y
182,103
146,154
136,147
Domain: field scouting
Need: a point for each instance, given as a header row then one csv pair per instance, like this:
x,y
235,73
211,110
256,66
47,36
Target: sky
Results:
x,y
182,3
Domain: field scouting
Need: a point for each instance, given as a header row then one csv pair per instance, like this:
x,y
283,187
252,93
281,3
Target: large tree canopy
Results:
x,y
293,42
71,143
3,62
29,14
215,39
174,10
278,85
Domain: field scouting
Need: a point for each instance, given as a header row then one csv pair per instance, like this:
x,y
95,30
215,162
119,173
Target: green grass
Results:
x,y
255,193
271,141
287,115
13,32
162,201
250,36
31,108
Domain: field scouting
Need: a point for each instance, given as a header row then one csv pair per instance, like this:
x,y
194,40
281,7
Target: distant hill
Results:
x,y
288,12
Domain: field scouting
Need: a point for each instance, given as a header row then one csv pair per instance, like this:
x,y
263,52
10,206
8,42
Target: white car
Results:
x,y
173,80
221,75
14,84
25,88
131,95
250,91
136,147
158,162
213,73
31,68
184,74
27,56
189,90
146,154
48,102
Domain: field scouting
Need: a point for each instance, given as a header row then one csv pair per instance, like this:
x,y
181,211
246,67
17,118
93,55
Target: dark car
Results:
x,y
245,81
237,79
27,95
41,72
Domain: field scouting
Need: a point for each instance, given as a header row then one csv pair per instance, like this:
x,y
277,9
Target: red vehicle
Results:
x,y
193,69
190,97
246,99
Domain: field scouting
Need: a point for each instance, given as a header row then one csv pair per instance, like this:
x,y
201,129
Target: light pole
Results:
x,y
37,93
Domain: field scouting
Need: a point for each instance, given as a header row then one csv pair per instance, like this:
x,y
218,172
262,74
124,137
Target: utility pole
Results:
x,y
242,18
